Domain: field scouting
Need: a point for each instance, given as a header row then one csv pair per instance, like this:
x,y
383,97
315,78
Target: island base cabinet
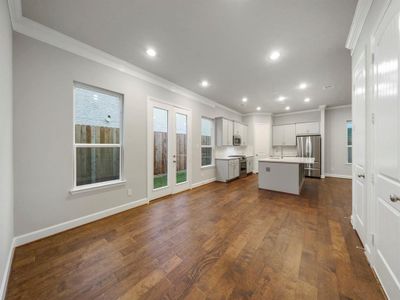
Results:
x,y
281,177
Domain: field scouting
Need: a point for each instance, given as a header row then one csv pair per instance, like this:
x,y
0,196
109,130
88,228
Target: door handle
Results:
x,y
174,161
361,176
394,198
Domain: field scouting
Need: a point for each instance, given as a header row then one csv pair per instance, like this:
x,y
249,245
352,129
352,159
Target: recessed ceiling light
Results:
x,y
307,99
281,98
204,83
303,86
151,52
258,108
274,55
287,107
244,99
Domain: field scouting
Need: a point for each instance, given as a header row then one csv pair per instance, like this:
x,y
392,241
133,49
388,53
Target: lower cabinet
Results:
x,y
250,165
227,169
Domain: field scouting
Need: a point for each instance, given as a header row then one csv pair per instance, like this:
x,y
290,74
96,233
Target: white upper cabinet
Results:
x,y
284,135
224,132
307,128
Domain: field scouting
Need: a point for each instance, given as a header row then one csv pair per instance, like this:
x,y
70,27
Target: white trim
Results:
x,y
257,114
52,37
338,107
208,167
204,182
7,270
48,231
296,112
96,186
338,176
359,18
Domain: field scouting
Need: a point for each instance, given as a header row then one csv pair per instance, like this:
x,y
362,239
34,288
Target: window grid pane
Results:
x,y
94,165
206,156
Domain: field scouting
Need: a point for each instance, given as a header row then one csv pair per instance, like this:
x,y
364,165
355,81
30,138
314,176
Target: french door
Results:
x,y
169,149
387,152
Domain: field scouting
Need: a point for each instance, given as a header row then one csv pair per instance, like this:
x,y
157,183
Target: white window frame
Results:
x,y
99,185
347,142
212,146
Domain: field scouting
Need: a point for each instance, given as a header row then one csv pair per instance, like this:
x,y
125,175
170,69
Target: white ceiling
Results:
x,y
226,42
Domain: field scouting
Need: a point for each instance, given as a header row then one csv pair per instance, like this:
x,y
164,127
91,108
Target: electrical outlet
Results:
x,y
129,192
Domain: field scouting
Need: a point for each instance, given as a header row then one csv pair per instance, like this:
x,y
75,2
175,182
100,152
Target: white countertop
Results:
x,y
289,160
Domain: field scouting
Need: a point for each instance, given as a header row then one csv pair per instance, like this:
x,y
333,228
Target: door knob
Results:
x,y
394,198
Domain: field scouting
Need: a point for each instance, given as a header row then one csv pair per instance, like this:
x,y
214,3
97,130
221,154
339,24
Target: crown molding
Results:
x,y
296,112
338,107
257,114
57,39
359,18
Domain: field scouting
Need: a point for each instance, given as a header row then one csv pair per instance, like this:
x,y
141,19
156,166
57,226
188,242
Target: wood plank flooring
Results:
x,y
219,241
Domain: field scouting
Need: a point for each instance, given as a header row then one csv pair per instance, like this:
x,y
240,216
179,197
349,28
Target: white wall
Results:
x,y
43,82
6,150
336,141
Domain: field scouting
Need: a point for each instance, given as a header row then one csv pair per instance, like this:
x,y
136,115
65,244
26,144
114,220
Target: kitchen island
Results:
x,y
282,174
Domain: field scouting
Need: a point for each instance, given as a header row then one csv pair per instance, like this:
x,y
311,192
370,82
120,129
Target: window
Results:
x,y
207,142
98,134
349,130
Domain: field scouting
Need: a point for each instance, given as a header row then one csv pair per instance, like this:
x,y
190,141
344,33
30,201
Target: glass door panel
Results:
x,y
181,148
160,148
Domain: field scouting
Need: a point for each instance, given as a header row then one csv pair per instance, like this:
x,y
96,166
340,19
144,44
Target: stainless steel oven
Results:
x,y
237,140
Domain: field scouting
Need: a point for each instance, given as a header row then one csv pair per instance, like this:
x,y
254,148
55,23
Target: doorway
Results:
x,y
169,149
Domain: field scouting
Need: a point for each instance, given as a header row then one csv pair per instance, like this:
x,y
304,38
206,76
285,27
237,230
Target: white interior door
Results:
x,y
359,216
387,155
262,141
169,149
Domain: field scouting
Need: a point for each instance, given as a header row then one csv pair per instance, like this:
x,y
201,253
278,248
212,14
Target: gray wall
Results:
x,y
335,146
43,134
6,151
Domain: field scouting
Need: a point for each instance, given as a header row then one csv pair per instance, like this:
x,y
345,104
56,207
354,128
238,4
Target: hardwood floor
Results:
x,y
219,241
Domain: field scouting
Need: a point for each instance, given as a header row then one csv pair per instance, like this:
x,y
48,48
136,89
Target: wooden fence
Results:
x,y
161,155
97,164
102,164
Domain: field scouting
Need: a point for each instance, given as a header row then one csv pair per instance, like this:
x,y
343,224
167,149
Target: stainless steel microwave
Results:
x,y
237,140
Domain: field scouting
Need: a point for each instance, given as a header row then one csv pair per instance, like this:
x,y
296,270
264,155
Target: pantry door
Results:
x,y
387,152
169,149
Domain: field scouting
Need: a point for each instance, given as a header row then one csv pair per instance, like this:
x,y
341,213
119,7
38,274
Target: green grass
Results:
x,y
162,180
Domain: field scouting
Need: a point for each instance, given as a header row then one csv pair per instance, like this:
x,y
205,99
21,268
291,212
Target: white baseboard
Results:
x,y
339,176
7,270
197,184
45,232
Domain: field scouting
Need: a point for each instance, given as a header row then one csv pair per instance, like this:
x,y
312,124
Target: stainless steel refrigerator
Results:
x,y
310,146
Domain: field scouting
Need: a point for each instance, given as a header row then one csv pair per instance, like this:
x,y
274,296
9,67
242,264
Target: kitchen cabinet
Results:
x,y
284,135
227,169
307,128
240,130
224,132
250,165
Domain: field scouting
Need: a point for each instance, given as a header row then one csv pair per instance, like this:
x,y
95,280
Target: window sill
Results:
x,y
208,167
96,186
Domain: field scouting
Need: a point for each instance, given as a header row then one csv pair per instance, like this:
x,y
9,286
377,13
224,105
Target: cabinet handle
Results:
x,y
394,198
361,176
